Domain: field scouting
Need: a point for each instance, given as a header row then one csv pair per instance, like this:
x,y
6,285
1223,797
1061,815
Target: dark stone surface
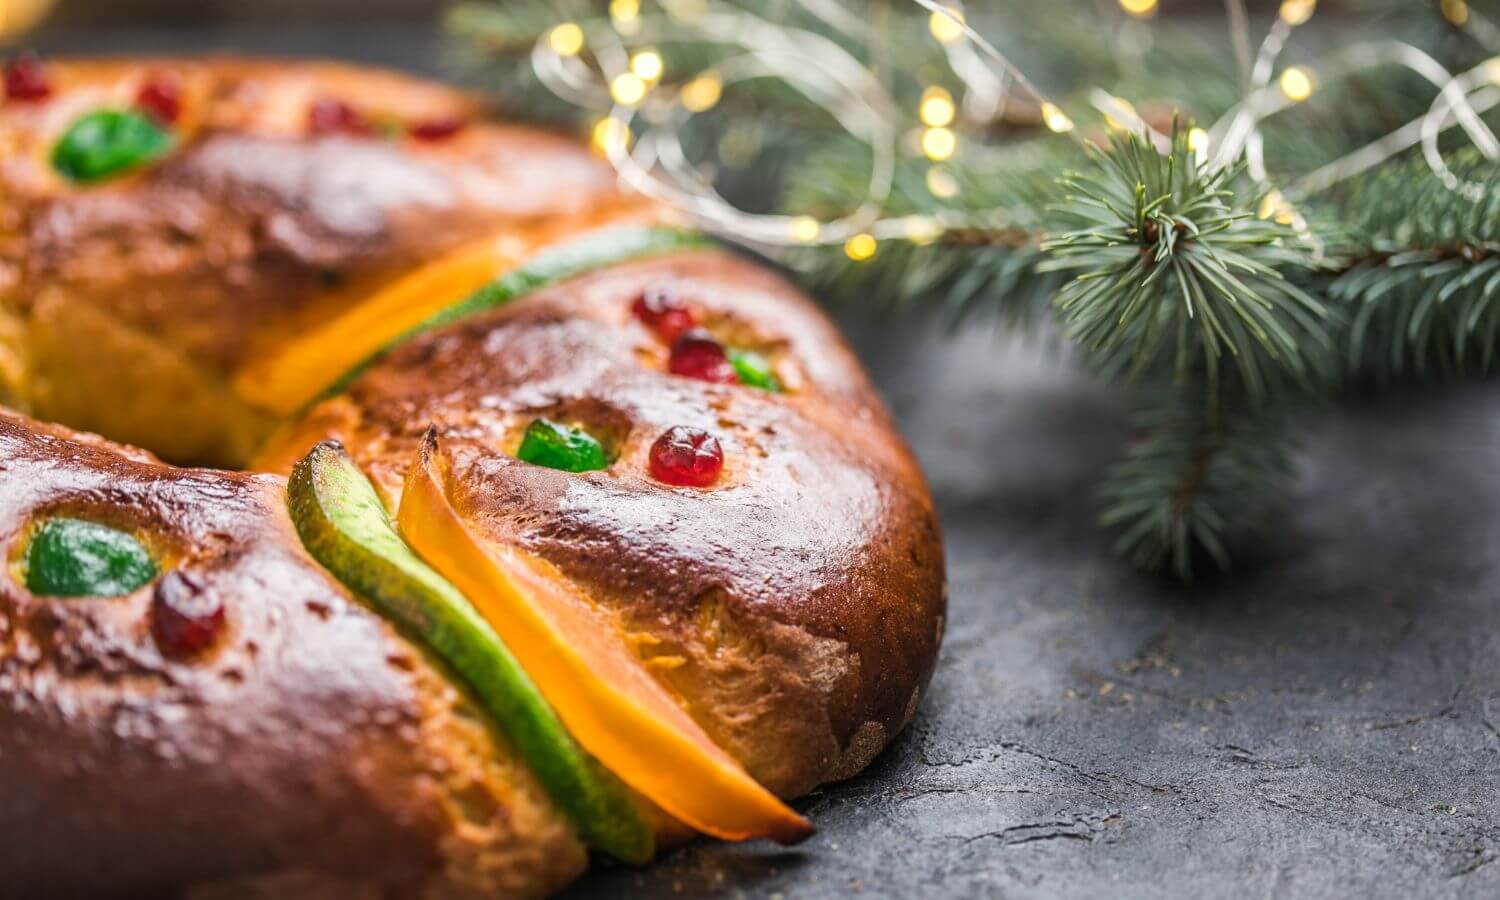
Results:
x,y
1323,723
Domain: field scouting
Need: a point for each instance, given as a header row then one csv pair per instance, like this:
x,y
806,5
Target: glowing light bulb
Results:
x,y
1296,83
1125,107
860,247
804,229
610,133
1295,12
937,109
1055,119
947,26
647,64
626,15
1197,140
1270,205
941,183
566,39
1139,8
627,89
702,93
939,144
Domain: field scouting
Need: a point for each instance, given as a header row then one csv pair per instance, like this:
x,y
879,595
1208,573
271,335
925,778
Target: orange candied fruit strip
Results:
x,y
608,701
304,367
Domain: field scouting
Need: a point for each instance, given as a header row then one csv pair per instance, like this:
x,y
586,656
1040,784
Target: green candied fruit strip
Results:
x,y
346,528
107,142
754,370
594,250
556,446
77,558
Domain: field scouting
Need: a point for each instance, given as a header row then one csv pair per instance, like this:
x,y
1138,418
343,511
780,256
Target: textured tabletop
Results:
x,y
1325,722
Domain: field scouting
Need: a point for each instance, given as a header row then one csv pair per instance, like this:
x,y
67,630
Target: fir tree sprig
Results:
x,y
1159,269
984,260
1421,286
1195,477
1169,262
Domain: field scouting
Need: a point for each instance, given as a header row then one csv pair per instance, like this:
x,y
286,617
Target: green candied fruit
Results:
x,y
106,142
754,370
75,558
547,443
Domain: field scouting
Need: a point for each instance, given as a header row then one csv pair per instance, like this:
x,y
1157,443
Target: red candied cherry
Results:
x,y
26,80
330,116
662,311
687,457
186,618
161,98
437,129
695,354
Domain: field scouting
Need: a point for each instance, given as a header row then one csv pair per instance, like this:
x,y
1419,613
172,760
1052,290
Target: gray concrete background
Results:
x,y
1321,724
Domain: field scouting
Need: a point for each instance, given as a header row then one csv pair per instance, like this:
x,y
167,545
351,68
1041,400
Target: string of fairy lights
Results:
x,y
615,68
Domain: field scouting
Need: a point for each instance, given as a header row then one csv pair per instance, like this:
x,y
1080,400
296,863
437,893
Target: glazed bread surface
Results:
x,y
794,609
797,607
312,749
130,305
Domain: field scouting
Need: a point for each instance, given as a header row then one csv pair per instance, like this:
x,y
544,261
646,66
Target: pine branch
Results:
x,y
1173,269
1425,24
1157,268
962,276
1422,283
1179,286
1198,479
986,265
495,51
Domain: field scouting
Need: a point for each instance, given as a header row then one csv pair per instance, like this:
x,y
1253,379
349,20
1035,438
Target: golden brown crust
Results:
x,y
310,740
795,606
252,231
